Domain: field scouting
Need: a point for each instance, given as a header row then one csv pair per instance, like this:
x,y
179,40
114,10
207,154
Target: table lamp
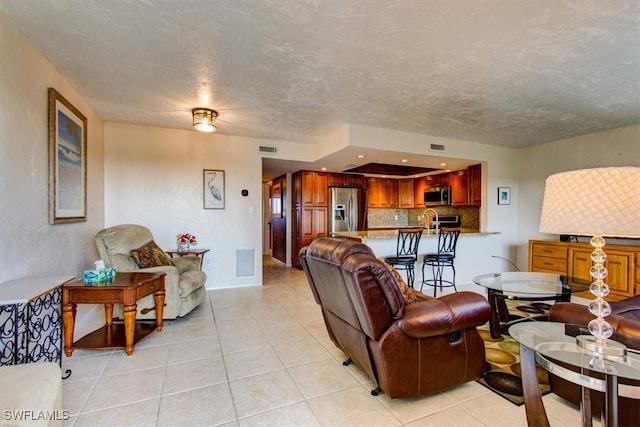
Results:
x,y
595,202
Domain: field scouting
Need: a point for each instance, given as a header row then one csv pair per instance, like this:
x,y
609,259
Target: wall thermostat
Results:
x,y
245,193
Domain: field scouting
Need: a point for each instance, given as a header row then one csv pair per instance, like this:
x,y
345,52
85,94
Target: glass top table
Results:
x,y
522,285
548,342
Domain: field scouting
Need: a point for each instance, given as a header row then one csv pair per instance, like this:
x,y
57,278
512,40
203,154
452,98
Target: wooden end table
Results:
x,y
191,252
126,289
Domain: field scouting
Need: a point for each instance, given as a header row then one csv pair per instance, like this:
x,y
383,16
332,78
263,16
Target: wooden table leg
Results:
x,y
108,314
68,325
494,320
533,406
159,299
129,314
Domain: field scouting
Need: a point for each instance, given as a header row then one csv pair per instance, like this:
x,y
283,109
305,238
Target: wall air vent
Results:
x,y
266,149
436,147
245,260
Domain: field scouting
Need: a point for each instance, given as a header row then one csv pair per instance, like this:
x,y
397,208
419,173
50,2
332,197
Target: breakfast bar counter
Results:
x,y
392,233
471,254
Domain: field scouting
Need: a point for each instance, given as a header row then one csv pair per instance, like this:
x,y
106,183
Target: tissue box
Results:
x,y
100,275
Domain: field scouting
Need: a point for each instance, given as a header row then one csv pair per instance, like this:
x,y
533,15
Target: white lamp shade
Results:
x,y
604,201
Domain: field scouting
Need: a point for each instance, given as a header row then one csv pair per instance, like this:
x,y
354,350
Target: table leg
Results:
x,y
585,407
610,414
533,406
68,325
494,321
129,314
108,314
159,299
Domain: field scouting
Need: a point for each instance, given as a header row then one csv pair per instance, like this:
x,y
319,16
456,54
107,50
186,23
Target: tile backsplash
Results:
x,y
469,217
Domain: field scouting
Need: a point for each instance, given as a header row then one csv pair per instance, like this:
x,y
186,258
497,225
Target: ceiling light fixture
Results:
x,y
204,119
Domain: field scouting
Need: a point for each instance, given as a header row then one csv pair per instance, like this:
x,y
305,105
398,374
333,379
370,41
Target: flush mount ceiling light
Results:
x,y
204,119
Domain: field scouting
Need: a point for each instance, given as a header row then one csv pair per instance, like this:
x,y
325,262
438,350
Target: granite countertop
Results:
x,y
392,233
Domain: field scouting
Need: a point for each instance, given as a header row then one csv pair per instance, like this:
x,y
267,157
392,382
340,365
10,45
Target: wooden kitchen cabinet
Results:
x,y
310,194
382,193
314,188
351,180
433,180
419,184
388,193
574,260
345,180
313,224
475,185
459,188
405,193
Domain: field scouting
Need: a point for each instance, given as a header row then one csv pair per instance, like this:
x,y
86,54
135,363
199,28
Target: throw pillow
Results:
x,y
150,255
408,293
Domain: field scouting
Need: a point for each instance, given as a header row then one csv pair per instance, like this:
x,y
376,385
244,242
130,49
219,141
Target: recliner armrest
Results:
x,y
187,263
626,329
446,314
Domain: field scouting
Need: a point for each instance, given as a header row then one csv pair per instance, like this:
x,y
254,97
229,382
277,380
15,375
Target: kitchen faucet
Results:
x,y
424,215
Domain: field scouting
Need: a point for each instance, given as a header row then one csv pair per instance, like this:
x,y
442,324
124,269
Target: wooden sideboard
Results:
x,y
573,260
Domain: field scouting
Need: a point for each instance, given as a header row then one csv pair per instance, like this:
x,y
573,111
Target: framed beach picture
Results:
x,y
213,189
67,161
504,195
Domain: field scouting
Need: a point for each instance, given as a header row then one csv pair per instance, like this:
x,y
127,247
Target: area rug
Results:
x,y
502,374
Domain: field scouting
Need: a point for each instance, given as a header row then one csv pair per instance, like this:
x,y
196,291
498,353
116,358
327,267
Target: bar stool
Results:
x,y
406,253
447,241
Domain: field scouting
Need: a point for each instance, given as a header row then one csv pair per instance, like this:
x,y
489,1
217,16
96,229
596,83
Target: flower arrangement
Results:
x,y
187,239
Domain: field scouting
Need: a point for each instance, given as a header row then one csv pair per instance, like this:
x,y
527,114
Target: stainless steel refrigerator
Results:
x,y
347,209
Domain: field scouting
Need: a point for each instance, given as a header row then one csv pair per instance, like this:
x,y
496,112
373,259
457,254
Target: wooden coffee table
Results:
x,y
126,289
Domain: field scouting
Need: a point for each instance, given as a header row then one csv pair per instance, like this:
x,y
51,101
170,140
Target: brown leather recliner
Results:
x,y
625,320
408,350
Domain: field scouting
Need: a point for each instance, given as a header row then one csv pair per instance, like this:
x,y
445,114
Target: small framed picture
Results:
x,y
213,189
504,195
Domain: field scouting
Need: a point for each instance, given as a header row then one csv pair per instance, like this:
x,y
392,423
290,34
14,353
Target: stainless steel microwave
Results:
x,y
437,196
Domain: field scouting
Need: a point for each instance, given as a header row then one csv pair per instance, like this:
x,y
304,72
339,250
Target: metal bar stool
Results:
x,y
447,241
406,253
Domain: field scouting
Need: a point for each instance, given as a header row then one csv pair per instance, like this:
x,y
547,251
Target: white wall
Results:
x,y
30,246
154,177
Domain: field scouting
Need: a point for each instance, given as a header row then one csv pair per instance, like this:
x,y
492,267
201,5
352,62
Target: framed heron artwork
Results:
x,y
213,189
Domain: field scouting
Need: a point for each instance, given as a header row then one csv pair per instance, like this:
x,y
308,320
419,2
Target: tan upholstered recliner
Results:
x,y
184,282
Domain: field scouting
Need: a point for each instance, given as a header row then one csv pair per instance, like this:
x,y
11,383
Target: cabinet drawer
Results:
x,y
550,264
550,251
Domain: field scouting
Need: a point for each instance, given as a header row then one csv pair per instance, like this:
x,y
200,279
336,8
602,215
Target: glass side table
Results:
x,y
524,286
544,342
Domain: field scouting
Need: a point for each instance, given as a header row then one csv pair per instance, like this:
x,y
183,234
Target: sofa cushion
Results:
x,y
150,255
409,294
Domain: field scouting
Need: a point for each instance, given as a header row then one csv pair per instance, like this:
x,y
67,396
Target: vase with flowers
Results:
x,y
185,241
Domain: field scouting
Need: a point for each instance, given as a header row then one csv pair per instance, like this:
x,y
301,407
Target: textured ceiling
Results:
x,y
512,73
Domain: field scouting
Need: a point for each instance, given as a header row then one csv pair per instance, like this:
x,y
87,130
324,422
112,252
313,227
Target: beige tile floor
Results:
x,y
260,356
